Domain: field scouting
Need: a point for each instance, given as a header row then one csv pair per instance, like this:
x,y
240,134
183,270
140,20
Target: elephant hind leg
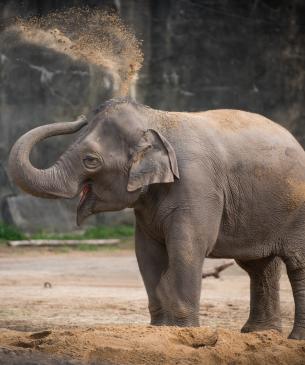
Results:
x,y
296,274
264,294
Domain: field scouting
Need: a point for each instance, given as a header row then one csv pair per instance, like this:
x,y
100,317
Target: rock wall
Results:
x,y
198,55
228,54
40,85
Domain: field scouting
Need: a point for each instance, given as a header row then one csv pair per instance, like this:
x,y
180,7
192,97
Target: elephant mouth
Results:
x,y
85,205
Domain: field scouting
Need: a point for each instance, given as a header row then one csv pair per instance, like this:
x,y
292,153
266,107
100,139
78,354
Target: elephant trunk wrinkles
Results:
x,y
52,182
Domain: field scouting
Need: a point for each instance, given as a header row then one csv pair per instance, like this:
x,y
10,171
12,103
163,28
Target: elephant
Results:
x,y
212,184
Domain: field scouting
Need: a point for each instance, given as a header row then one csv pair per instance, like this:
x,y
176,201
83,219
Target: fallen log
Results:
x,y
63,242
216,270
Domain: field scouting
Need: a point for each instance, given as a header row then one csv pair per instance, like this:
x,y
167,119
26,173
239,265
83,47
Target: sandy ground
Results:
x,y
91,290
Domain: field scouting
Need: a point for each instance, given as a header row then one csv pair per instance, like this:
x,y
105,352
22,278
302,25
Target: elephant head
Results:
x,y
117,155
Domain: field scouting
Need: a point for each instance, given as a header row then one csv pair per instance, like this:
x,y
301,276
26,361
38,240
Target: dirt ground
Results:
x,y
96,312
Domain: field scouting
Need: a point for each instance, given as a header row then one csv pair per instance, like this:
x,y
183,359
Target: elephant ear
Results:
x,y
154,161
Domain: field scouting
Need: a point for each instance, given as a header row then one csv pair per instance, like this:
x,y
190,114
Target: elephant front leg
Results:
x,y
190,234
180,286
152,261
179,291
264,294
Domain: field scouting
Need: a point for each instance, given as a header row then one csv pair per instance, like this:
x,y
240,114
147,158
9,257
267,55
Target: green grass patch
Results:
x,y
109,232
10,233
123,232
99,232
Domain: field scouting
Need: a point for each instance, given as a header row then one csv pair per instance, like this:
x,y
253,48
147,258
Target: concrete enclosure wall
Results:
x,y
198,54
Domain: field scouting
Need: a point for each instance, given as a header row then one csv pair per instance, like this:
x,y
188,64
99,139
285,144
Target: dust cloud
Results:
x,y
91,35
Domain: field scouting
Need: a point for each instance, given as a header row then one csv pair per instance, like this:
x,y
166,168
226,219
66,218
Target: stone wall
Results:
x,y
39,86
199,54
228,54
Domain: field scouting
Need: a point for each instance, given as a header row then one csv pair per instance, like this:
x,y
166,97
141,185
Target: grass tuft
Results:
x,y
8,232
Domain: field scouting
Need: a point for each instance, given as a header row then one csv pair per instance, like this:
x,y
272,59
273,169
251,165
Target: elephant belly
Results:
x,y
234,248
262,219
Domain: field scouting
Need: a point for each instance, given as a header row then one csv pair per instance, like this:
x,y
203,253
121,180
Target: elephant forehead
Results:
x,y
114,132
104,145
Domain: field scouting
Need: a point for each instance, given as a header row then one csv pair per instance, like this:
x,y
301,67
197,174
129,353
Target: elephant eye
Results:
x,y
91,162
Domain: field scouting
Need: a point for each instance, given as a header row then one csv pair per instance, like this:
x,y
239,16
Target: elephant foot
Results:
x,y
298,333
158,318
251,326
174,322
179,322
184,322
158,322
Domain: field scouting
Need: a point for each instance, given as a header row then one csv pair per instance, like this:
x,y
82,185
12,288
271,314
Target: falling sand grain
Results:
x,y
90,35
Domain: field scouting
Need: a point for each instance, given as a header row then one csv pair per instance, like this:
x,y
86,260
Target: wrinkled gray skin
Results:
x,y
221,183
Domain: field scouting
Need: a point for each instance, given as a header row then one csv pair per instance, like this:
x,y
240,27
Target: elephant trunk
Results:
x,y
55,181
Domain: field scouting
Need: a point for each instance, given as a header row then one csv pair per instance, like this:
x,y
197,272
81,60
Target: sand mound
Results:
x,y
90,35
149,345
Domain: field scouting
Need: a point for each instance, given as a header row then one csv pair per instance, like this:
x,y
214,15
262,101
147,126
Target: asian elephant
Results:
x,y
220,183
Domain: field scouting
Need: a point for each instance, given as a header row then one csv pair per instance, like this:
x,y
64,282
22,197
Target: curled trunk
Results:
x,y
55,181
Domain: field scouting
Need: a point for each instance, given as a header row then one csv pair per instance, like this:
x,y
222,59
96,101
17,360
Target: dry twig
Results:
x,y
216,270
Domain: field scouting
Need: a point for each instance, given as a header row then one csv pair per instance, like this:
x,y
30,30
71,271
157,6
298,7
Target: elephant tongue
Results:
x,y
84,209
83,195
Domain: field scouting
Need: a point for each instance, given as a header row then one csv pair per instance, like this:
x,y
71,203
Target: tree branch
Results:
x,y
216,270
